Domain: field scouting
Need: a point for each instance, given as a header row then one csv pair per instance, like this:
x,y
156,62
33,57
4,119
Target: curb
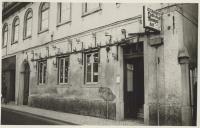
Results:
x,y
59,122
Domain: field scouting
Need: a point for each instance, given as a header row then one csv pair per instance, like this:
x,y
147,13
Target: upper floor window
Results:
x,y
63,70
5,35
64,12
15,30
28,23
89,8
44,17
42,67
92,67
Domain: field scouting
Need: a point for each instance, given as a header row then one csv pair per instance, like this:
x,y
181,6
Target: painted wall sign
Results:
x,y
151,19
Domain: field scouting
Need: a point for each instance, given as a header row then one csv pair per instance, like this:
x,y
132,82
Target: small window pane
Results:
x,y
88,58
95,67
40,72
91,6
95,72
44,19
61,70
95,78
44,72
45,6
96,58
66,70
5,35
89,73
16,32
29,15
65,12
28,27
17,22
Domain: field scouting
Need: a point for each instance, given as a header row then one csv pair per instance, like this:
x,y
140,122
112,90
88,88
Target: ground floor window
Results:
x,y
42,66
63,70
92,67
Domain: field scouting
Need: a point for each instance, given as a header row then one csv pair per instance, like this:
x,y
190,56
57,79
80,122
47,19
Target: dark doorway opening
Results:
x,y
133,81
8,79
26,83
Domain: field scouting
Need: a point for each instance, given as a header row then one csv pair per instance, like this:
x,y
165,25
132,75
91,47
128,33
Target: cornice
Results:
x,y
12,8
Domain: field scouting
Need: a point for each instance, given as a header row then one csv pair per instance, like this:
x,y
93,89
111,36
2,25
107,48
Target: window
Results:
x,y
5,35
15,28
64,14
92,67
28,23
44,17
89,8
63,70
42,67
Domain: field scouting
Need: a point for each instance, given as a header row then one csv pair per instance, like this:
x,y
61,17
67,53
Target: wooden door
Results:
x,y
26,84
133,86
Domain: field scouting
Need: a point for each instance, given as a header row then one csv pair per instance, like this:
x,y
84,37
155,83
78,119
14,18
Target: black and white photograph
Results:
x,y
99,63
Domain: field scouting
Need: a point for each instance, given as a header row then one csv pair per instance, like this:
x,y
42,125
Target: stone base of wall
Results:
x,y
167,114
94,108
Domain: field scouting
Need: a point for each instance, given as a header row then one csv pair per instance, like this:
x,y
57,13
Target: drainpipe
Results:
x,y
107,109
157,89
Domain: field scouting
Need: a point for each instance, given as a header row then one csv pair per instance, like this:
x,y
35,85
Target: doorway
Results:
x,y
133,81
26,83
8,79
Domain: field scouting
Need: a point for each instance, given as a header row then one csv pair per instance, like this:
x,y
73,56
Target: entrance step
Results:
x,y
140,114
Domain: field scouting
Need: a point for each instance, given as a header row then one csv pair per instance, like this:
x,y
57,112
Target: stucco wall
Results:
x,y
190,38
162,72
110,13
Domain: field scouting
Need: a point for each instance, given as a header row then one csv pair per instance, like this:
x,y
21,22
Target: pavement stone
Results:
x,y
72,118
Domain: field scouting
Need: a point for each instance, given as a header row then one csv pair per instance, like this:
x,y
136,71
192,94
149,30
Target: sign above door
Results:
x,y
151,19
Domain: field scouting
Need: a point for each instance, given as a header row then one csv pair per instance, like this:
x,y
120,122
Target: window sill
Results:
x,y
4,46
60,24
41,85
27,37
64,85
43,31
90,12
14,42
92,85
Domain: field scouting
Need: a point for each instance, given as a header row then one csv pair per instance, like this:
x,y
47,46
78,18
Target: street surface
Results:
x,y
12,117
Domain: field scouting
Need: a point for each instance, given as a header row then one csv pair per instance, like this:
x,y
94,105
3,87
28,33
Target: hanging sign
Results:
x,y
151,19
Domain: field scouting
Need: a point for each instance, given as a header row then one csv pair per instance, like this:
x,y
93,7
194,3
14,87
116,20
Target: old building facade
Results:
x,y
97,59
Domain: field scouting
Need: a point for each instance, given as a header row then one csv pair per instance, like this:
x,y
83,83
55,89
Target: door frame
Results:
x,y
125,58
25,65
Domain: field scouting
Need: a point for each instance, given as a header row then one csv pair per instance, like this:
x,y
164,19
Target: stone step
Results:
x,y
140,115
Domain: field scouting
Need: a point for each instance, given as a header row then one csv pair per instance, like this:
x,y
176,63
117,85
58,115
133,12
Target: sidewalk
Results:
x,y
68,117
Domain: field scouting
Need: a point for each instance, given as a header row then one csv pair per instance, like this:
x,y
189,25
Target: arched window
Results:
x,y
44,17
28,23
15,30
5,35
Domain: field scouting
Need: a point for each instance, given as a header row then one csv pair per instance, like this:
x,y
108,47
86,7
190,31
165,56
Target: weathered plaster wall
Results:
x,y
190,38
162,83
109,13
76,88
164,96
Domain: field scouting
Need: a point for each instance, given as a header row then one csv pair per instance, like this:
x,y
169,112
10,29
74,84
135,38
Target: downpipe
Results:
x,y
157,89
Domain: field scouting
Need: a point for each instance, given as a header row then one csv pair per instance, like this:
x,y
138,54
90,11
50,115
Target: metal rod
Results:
x,y
157,89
